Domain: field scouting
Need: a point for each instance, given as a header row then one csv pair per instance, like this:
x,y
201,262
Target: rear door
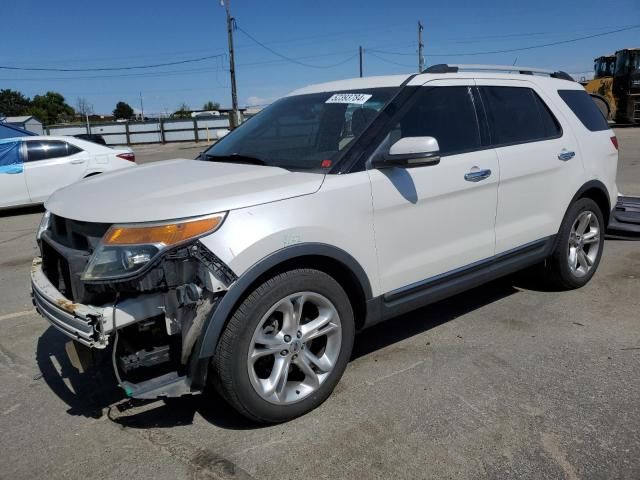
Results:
x,y
13,187
540,164
430,220
51,165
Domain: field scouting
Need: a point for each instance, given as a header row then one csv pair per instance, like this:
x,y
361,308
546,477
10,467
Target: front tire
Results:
x,y
579,245
286,346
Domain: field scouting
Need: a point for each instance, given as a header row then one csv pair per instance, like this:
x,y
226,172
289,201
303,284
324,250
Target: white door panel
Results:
x,y
430,220
536,186
535,190
46,176
13,187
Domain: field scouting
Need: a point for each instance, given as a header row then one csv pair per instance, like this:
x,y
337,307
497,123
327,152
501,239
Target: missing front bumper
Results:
x,y
87,324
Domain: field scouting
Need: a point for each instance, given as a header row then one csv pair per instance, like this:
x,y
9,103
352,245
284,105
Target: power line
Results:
x,y
107,69
390,61
291,59
531,47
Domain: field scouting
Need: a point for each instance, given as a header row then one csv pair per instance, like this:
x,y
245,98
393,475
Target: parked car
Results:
x,y
339,206
32,168
92,137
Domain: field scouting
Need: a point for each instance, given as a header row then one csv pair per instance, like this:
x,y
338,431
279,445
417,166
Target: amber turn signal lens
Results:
x,y
169,234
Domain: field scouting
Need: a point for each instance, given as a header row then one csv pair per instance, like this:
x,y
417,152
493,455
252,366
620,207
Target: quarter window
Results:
x,y
583,106
445,113
518,115
72,149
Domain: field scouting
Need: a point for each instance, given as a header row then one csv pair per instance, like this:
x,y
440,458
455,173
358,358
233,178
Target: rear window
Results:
x,y
518,115
585,109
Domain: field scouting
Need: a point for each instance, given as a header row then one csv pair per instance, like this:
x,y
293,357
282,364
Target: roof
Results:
x,y
353,83
21,119
506,72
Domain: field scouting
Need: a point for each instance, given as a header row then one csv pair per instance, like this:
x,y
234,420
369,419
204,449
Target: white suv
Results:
x,y
339,206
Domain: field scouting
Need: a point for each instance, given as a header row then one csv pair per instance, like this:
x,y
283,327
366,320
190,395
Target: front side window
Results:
x,y
518,115
445,113
45,150
303,132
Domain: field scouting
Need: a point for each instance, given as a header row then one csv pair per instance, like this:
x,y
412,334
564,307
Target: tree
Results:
x,y
51,108
83,107
13,103
211,106
183,111
123,110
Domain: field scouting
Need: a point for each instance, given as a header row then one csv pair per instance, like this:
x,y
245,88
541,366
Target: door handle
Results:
x,y
477,176
14,170
565,155
77,162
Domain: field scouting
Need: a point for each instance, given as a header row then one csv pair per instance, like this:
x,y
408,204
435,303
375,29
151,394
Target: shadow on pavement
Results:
x,y
94,393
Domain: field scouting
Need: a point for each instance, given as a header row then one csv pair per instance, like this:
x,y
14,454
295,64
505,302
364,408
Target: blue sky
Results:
x,y
115,33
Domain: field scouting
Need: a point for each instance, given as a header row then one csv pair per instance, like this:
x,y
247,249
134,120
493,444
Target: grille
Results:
x,y
66,248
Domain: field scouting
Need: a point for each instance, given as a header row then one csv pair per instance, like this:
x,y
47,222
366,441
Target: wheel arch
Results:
x,y
596,191
327,258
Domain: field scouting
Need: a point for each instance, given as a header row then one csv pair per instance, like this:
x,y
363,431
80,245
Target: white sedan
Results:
x,y
32,168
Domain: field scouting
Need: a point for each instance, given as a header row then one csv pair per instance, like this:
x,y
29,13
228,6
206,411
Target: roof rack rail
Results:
x,y
445,68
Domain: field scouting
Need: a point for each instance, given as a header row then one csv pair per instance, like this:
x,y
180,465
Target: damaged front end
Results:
x,y
150,317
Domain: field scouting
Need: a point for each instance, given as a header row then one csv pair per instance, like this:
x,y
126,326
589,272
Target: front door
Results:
x,y
431,220
13,187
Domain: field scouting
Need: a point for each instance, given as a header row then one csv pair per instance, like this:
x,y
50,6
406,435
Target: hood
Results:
x,y
177,189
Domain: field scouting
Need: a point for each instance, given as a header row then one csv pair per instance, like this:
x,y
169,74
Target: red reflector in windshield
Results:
x,y
326,163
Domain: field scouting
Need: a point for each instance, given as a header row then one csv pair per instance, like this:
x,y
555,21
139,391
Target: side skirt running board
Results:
x,y
625,219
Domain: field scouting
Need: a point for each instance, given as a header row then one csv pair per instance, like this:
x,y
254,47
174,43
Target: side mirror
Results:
x,y
411,152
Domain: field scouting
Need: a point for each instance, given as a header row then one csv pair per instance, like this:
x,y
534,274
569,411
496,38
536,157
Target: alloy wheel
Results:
x,y
584,243
294,347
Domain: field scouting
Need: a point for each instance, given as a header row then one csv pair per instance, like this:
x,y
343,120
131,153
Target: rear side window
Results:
x,y
445,113
518,115
585,109
45,150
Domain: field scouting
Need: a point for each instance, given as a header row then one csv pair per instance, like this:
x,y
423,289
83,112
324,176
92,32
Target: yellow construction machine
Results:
x,y
617,80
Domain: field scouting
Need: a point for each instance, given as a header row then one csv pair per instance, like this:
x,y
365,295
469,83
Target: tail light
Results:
x,y
127,156
614,140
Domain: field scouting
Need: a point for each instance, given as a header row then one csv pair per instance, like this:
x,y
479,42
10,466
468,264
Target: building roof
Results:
x,y
21,119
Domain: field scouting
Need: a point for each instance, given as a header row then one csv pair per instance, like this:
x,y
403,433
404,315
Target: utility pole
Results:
x,y
420,48
361,50
141,108
233,123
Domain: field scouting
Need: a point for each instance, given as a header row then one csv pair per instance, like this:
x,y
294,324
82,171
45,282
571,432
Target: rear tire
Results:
x,y
579,246
285,347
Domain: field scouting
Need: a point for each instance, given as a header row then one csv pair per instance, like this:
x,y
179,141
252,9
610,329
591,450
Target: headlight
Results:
x,y
127,249
44,224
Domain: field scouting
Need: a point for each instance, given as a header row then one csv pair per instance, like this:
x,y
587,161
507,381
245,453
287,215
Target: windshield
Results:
x,y
303,132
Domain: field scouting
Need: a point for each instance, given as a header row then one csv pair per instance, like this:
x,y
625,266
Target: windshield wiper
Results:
x,y
235,158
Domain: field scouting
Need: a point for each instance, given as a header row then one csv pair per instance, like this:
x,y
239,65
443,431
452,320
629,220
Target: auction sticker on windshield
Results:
x,y
353,98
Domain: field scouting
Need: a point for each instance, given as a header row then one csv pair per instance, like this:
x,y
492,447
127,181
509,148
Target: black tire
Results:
x,y
558,270
230,360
